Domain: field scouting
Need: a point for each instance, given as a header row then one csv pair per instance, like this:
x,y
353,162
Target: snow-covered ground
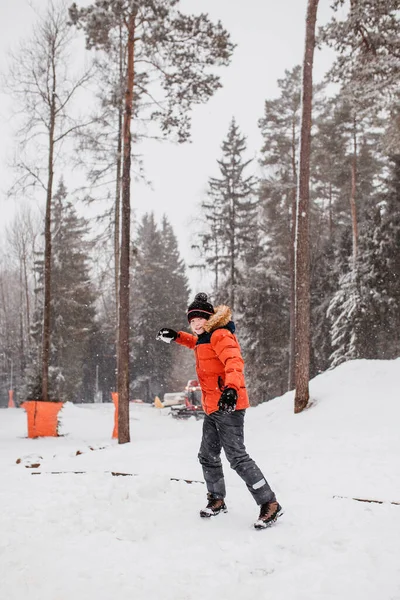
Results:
x,y
94,536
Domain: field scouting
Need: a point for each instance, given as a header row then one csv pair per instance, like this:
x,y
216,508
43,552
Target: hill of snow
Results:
x,y
69,530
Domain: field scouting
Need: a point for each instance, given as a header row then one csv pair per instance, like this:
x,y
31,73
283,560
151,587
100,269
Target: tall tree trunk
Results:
x,y
330,214
302,257
117,232
123,324
47,251
22,353
353,207
292,345
22,323
117,211
216,268
232,250
27,301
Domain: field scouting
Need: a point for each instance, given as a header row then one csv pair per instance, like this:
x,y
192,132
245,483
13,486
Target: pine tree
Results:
x,y
263,327
72,311
330,191
343,170
175,281
349,305
332,164
160,299
381,270
367,45
231,211
280,128
346,311
73,308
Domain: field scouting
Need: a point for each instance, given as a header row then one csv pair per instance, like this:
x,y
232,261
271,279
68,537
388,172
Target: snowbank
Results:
x,y
75,531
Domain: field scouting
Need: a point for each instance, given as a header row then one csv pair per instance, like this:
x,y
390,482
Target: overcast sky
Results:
x,y
270,38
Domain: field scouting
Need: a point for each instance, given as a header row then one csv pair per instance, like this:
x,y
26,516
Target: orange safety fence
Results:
x,y
42,418
114,396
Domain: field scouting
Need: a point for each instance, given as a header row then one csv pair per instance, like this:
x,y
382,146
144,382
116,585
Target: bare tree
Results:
x,y
302,255
40,81
22,241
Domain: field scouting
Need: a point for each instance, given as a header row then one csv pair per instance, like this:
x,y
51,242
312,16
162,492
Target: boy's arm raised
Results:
x,y
186,339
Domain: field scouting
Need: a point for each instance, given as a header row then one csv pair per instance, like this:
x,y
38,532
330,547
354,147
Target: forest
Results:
x,y
82,299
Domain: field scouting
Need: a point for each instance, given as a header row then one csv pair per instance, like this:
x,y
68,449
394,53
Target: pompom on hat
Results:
x,y
200,307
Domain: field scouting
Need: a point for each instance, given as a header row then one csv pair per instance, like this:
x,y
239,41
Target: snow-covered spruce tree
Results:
x,y
388,241
364,309
345,311
175,282
350,310
331,192
332,164
346,169
231,217
160,298
264,307
263,325
208,242
72,311
381,270
367,67
280,129
177,296
169,58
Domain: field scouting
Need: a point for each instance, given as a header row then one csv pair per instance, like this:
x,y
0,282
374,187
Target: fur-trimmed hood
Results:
x,y
221,317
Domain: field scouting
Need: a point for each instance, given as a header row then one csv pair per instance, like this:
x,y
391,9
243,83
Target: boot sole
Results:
x,y
207,515
265,525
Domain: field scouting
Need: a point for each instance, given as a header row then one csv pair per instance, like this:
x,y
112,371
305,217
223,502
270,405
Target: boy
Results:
x,y
219,366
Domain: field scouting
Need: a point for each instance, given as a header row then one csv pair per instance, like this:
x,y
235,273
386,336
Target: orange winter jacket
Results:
x,y
219,362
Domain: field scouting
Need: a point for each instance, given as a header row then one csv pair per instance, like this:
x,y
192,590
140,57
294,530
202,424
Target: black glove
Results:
x,y
167,335
227,402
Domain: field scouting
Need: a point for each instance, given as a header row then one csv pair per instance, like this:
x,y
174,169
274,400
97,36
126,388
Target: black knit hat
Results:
x,y
200,307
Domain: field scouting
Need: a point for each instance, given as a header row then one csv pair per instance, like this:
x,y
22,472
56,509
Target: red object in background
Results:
x,y
114,396
42,418
193,402
11,403
193,395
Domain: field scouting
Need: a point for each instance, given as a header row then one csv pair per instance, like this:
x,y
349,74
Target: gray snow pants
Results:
x,y
226,430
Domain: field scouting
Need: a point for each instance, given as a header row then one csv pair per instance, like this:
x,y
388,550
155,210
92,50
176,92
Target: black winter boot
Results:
x,y
214,507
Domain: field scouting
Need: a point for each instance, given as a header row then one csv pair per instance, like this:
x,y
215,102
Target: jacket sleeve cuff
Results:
x,y
186,339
